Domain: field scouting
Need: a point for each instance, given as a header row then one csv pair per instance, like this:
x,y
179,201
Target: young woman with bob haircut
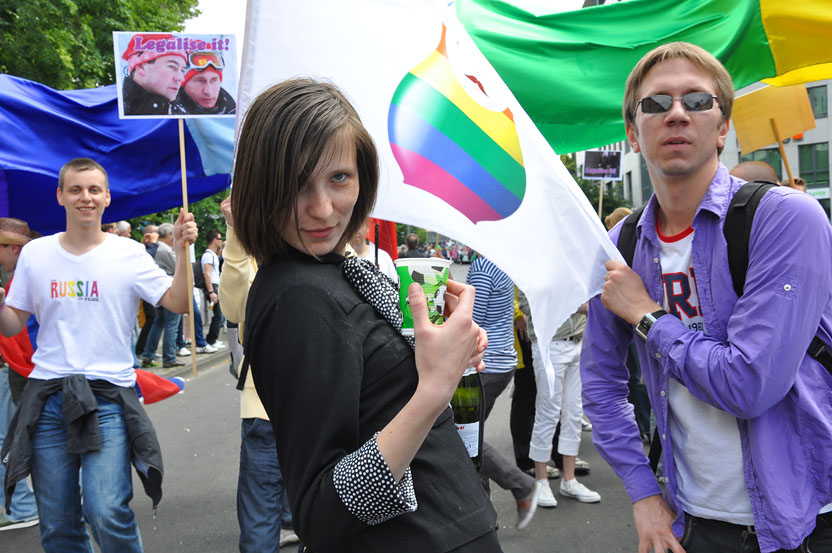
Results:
x,y
367,443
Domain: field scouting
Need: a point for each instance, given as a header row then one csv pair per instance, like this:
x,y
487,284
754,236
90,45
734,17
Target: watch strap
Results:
x,y
646,323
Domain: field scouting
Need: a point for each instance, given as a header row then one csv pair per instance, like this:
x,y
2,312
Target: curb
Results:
x,y
204,362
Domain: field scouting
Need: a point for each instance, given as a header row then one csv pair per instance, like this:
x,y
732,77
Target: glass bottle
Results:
x,y
467,405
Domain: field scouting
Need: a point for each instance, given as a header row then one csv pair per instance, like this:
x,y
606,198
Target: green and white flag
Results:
x,y
568,69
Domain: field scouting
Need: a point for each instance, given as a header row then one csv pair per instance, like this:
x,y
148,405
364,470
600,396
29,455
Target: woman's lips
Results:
x,y
319,233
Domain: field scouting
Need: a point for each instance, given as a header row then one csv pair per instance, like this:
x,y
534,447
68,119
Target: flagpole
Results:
x,y
190,269
376,244
776,130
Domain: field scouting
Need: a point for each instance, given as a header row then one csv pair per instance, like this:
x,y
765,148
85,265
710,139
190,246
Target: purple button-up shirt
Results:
x,y
751,363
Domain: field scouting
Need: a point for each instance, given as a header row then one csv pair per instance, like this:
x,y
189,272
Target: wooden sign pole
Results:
x,y
189,271
600,199
776,130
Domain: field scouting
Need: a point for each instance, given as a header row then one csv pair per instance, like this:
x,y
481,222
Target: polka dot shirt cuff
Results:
x,y
367,487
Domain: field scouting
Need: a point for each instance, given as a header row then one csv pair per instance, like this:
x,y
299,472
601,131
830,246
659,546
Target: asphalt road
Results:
x,y
200,436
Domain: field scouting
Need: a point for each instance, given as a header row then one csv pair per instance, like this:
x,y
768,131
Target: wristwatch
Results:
x,y
646,322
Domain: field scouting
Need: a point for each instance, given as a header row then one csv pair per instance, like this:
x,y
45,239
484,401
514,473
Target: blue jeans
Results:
x,y
713,536
262,505
200,337
23,499
166,321
105,484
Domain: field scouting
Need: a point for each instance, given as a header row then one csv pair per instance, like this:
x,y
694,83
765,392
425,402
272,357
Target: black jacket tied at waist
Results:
x,y
80,409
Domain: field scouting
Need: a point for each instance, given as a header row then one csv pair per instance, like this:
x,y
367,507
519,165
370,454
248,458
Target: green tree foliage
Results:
x,y
68,44
207,214
591,188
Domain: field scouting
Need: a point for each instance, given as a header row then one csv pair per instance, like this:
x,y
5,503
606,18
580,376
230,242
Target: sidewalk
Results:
x,y
204,361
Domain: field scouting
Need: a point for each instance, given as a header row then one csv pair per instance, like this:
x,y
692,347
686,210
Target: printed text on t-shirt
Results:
x,y
86,290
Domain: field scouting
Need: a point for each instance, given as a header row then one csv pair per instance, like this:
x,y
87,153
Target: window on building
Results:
x,y
770,156
628,185
817,97
814,164
646,183
824,203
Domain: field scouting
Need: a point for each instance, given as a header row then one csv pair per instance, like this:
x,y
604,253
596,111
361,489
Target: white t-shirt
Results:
x,y
706,440
86,305
385,262
212,259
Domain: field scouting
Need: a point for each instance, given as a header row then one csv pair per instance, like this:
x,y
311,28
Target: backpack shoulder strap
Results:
x,y
627,236
241,379
737,229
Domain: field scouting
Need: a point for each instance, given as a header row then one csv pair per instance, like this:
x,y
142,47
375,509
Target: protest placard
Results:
x,y
160,75
602,165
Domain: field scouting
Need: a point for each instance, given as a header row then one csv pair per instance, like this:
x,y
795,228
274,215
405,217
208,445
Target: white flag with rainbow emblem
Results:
x,y
458,154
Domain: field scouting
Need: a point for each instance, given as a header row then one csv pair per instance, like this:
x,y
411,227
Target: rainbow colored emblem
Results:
x,y
449,145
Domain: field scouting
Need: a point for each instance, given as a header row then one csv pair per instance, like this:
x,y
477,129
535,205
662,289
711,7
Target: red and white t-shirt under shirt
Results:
x,y
706,440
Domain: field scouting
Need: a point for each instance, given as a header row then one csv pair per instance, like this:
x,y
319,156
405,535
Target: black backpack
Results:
x,y
199,275
737,231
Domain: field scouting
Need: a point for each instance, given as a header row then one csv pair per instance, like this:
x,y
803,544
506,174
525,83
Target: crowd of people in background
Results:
x,y
445,249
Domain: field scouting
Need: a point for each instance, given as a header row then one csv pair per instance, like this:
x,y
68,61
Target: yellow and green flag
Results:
x,y
568,70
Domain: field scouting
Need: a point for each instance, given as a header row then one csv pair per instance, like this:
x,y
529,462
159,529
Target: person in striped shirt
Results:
x,y
494,311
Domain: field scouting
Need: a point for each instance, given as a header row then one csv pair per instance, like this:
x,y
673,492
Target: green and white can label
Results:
x,y
431,273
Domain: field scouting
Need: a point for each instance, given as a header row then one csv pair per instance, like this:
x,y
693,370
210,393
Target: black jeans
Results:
x,y
216,324
713,536
149,315
522,412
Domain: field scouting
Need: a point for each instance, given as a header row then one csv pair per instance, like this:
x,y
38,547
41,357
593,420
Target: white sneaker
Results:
x,y
586,426
184,352
546,498
288,536
207,348
576,490
8,524
218,345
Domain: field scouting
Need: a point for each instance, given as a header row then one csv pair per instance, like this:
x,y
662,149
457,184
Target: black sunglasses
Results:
x,y
693,101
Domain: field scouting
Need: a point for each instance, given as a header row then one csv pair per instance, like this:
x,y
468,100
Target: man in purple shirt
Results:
x,y
743,413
